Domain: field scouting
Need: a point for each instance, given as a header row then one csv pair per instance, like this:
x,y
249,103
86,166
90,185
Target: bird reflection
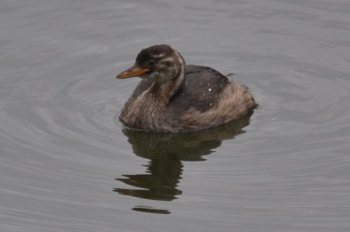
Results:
x,y
166,152
159,183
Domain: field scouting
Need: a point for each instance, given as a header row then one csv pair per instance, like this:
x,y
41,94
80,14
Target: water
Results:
x,y
68,164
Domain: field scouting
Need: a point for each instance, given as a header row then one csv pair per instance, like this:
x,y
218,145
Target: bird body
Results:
x,y
175,97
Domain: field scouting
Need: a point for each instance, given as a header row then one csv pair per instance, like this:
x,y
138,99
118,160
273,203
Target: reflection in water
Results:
x,y
165,152
150,210
160,182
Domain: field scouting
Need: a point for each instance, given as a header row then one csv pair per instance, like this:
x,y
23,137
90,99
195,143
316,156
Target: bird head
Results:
x,y
160,63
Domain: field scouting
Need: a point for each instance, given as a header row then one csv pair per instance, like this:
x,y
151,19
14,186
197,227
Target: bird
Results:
x,y
174,97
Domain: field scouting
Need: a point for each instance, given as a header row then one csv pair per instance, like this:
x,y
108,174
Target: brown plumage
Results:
x,y
175,97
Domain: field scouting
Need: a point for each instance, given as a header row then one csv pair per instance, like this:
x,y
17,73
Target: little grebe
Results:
x,y
175,97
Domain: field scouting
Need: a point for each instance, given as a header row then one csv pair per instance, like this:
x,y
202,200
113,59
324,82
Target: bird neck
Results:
x,y
165,91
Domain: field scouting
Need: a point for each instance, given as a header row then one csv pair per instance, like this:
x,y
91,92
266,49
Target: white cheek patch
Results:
x,y
169,59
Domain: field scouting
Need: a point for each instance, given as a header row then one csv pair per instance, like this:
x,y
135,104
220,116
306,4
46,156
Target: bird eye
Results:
x,y
151,62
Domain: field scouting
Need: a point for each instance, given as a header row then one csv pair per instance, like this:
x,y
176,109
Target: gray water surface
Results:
x,y
68,164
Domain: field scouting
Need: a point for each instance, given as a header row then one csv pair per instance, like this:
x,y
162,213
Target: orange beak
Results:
x,y
134,71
